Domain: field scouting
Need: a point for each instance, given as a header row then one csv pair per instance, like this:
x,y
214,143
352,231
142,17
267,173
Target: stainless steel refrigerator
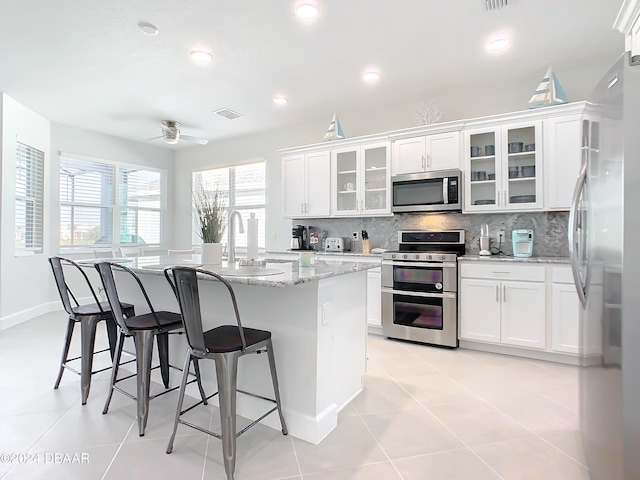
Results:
x,y
604,244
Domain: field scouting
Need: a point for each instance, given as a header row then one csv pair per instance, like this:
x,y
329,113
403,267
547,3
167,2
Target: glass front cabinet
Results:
x,y
361,180
503,168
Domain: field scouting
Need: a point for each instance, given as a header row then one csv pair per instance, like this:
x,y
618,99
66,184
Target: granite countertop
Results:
x,y
510,258
319,252
289,272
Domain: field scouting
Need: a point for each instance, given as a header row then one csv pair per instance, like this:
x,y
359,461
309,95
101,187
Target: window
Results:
x,y
92,208
244,187
29,204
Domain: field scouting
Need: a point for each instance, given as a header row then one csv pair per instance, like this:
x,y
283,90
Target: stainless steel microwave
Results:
x,y
427,191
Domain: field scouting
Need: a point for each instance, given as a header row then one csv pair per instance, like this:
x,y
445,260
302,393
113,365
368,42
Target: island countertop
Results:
x,y
277,273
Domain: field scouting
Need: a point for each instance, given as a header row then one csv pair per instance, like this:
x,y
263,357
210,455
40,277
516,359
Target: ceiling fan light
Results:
x,y
171,140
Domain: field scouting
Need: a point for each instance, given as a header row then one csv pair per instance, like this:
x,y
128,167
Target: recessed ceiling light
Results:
x,y
307,11
280,99
498,44
371,77
200,56
148,28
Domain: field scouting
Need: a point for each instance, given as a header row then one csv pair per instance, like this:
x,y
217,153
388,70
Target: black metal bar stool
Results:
x,y
88,315
225,345
143,328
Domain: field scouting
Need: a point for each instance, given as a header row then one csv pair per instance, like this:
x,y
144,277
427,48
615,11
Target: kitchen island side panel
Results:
x,y
319,338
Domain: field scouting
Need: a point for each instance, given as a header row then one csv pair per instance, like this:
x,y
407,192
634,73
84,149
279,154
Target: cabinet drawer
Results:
x,y
502,271
561,275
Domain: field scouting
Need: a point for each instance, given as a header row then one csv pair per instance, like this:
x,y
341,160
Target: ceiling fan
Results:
x,y
171,134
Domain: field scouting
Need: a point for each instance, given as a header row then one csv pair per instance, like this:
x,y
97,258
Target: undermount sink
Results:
x,y
250,271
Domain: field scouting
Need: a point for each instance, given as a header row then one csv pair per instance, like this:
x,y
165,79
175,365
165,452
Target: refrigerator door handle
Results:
x,y
573,234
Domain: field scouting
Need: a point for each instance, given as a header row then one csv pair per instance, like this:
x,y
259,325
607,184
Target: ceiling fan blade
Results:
x,y
155,138
198,140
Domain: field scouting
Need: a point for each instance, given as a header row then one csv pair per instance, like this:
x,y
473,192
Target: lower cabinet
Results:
x,y
565,318
374,297
503,303
507,312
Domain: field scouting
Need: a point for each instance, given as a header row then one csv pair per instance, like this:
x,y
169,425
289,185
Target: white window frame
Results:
x,y
33,204
231,206
116,207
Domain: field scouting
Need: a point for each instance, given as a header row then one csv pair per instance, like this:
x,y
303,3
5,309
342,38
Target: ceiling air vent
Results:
x,y
228,114
495,4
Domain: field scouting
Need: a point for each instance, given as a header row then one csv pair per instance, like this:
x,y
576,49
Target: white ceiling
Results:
x,y
87,64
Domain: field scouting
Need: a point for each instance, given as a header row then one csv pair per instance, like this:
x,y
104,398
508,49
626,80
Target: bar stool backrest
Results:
x,y
105,269
185,286
66,295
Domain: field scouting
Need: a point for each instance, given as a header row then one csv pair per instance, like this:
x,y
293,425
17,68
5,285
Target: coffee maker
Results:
x,y
299,237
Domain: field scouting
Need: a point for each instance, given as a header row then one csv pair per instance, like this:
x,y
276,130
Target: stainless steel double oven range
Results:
x,y
420,287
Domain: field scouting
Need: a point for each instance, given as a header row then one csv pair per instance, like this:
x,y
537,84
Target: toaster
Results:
x,y
334,244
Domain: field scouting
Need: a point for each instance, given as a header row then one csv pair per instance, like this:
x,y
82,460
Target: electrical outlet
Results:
x,y
501,235
356,236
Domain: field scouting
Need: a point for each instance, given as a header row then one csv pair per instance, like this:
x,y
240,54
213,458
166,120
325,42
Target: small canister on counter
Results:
x,y
307,259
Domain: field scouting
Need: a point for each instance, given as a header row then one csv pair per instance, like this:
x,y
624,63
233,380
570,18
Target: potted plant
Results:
x,y
211,215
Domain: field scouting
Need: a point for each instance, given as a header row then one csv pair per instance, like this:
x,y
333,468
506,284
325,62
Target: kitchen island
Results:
x,y
317,317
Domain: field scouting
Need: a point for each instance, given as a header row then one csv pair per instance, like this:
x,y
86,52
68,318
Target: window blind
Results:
x,y
244,187
29,199
98,198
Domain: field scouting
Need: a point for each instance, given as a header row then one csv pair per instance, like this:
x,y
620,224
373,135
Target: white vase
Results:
x,y
212,254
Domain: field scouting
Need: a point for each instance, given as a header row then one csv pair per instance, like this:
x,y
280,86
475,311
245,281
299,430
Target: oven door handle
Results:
x,y
418,294
419,264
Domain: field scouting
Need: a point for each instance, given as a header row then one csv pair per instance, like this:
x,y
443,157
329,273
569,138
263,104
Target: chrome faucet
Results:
x,y
232,236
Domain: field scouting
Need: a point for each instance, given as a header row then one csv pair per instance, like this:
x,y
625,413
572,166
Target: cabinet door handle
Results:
x,y
505,198
423,163
504,293
496,271
428,160
302,208
497,293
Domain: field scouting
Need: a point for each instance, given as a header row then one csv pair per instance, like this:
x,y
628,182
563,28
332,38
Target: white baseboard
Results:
x,y
27,314
568,359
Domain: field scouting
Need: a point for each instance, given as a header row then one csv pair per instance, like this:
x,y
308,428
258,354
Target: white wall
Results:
x,y
24,280
26,284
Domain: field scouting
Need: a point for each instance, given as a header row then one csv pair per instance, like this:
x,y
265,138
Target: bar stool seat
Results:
x,y
88,316
224,344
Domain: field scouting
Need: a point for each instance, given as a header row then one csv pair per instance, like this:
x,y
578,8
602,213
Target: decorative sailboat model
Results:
x,y
334,132
549,92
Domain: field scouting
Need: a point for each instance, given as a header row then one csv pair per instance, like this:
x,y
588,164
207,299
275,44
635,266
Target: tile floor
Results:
x,y
426,413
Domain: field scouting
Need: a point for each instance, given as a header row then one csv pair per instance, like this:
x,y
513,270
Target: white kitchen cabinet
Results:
x,y
503,167
479,310
562,160
361,180
374,297
503,303
565,318
307,185
426,153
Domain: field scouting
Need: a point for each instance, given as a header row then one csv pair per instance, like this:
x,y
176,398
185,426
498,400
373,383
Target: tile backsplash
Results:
x,y
549,229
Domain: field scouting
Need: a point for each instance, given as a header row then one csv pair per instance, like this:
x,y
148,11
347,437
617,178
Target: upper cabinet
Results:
x,y
361,180
562,160
503,169
512,162
425,153
307,182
